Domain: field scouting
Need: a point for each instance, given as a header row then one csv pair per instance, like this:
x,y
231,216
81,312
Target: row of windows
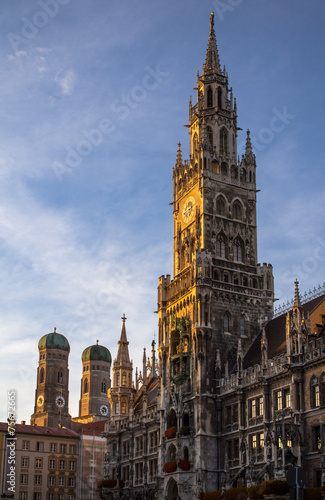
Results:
x,y
54,447
86,386
222,248
23,495
104,368
42,376
236,209
124,379
38,464
52,355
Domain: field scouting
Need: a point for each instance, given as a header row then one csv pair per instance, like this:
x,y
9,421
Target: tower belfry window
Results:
x,y
60,377
219,97
221,246
41,376
221,208
210,136
85,386
223,141
209,97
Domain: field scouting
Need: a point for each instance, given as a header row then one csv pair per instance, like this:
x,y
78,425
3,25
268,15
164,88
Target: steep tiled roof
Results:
x,y
40,431
276,334
152,391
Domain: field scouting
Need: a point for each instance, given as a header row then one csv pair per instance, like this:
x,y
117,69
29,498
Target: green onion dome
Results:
x,y
54,341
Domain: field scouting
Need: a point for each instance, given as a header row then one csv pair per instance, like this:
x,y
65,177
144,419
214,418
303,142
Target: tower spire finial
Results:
x,y
297,302
212,63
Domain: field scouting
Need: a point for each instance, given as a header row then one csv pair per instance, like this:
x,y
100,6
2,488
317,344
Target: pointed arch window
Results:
x,y
314,392
195,144
226,322
123,407
242,326
219,97
41,376
117,407
60,377
124,378
223,141
104,386
117,379
221,206
209,97
237,211
86,388
210,137
221,246
238,251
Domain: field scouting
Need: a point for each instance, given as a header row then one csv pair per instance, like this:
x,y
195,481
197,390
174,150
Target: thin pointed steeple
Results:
x,y
123,357
249,155
153,359
179,159
212,62
296,302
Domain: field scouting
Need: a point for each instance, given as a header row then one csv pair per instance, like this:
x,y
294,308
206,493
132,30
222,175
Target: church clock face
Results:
x,y
40,400
60,401
103,410
188,209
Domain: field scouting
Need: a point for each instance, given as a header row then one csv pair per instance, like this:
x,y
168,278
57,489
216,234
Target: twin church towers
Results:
x,y
96,394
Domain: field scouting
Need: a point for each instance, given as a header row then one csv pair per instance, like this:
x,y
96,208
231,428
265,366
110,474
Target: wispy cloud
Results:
x,y
67,81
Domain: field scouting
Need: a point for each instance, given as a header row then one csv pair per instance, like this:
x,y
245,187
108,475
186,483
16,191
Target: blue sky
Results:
x,y
86,228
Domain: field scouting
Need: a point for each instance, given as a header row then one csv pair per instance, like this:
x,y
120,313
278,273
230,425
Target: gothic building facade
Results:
x,y
237,394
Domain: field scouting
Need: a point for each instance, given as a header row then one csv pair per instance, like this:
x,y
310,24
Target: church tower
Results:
x,y
219,296
121,393
95,382
52,391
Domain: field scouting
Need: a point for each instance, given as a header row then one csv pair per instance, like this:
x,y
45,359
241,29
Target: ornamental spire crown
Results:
x,y
212,62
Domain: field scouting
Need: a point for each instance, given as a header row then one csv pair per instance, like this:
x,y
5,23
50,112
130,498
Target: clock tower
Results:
x,y
52,391
219,296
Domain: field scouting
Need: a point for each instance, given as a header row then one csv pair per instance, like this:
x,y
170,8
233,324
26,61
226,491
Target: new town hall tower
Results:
x,y
220,296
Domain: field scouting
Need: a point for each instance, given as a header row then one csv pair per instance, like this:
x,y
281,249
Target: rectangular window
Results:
x,y
253,408
254,441
73,449
25,462
235,413
317,440
261,442
63,448
260,406
24,479
62,465
278,400
280,445
38,480
72,465
51,496
61,481
53,447
286,398
39,446
317,399
38,463
70,497
37,496
72,482
228,415
61,497
52,464
51,480
25,445
23,495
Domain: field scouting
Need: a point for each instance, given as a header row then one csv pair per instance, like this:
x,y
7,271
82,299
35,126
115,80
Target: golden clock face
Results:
x,y
60,401
40,400
188,209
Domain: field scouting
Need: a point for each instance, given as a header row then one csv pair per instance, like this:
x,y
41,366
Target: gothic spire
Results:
x,y
123,357
248,150
179,159
212,63
297,303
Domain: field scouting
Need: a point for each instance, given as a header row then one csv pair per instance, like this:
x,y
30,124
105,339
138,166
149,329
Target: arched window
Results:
x,y
226,322
314,392
186,454
195,144
123,407
86,386
225,278
219,97
210,137
221,206
224,168
130,380
41,376
104,386
223,141
245,281
238,251
171,453
171,419
124,378
117,379
117,407
221,246
234,172
243,174
236,280
209,97
60,377
242,326
237,211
